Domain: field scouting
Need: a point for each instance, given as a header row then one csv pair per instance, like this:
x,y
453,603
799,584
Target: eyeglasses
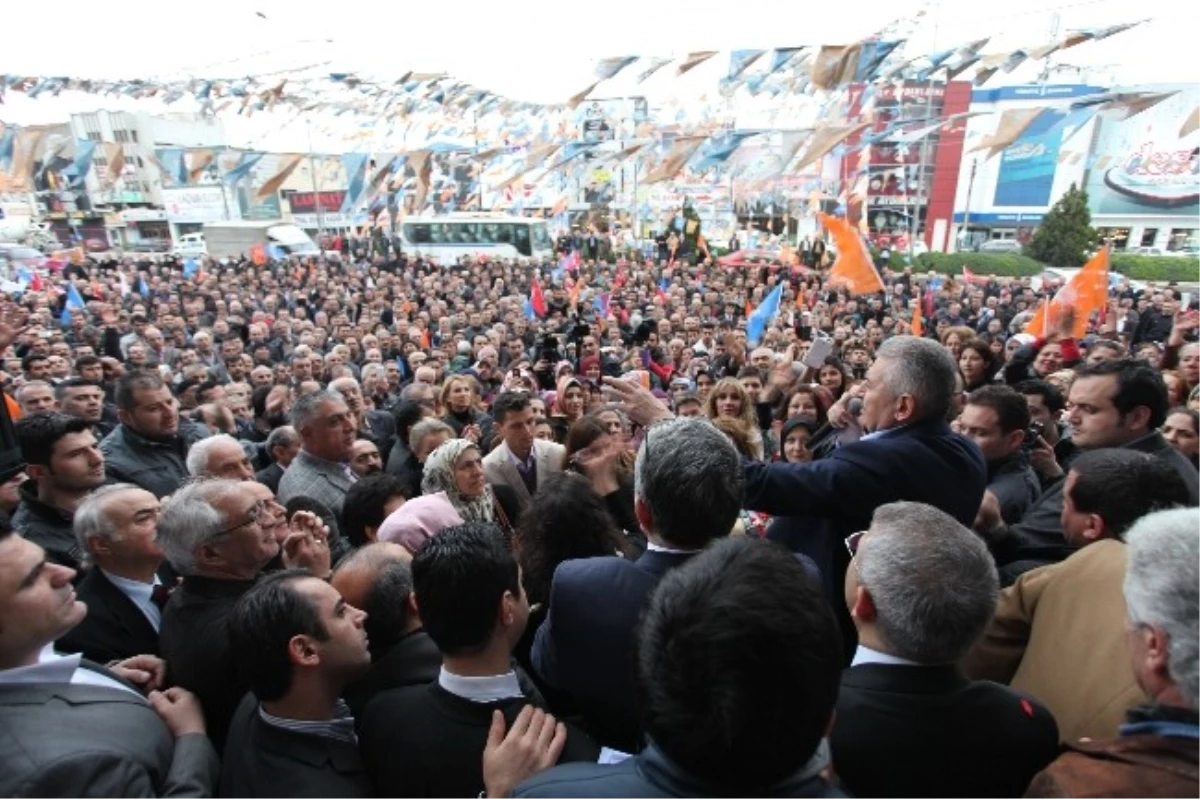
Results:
x,y
253,516
853,541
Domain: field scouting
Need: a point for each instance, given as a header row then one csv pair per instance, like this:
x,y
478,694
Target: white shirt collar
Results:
x,y
141,594
481,689
653,547
55,669
864,655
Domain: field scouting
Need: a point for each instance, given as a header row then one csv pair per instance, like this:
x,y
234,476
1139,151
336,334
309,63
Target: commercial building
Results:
x,y
1137,162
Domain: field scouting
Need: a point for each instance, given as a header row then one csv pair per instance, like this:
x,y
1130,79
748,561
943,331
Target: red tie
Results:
x,y
159,595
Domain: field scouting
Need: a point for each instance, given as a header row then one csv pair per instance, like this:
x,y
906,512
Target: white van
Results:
x,y
190,245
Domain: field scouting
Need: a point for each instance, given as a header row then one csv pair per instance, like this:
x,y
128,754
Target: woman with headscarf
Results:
x,y
570,402
456,468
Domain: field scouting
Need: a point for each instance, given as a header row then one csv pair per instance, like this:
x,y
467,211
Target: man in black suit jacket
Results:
x,y
282,445
908,722
738,651
1119,403
117,526
299,644
69,727
689,489
428,740
220,536
378,579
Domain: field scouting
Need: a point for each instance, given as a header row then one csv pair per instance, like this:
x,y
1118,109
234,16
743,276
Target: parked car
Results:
x,y
1000,245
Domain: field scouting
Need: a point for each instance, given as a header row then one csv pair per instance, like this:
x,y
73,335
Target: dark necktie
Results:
x,y
528,472
159,595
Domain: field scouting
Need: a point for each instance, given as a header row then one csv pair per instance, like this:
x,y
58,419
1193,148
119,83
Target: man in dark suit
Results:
x,y
378,579
738,651
220,536
688,491
908,722
69,727
282,445
117,526
428,740
299,643
1117,403
909,454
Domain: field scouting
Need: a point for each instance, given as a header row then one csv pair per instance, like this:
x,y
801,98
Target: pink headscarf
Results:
x,y
418,520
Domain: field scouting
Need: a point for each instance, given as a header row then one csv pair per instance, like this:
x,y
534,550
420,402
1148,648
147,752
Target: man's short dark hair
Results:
x,y
1138,385
60,391
739,661
460,575
136,380
1012,411
30,359
1052,398
205,387
84,361
364,504
40,432
386,602
262,623
1122,485
509,402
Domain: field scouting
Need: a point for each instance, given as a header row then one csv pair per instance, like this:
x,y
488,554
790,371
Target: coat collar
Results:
x,y
905,679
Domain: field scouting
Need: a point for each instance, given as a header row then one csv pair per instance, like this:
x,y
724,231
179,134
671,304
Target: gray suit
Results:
x,y
86,740
499,468
311,477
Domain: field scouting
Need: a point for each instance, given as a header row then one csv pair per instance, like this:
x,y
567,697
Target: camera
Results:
x,y
547,350
1032,433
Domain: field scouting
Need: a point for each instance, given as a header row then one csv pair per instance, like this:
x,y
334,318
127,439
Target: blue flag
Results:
x,y
756,325
143,286
190,267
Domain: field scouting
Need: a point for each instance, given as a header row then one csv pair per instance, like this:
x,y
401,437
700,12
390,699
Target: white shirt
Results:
x,y
54,668
864,655
140,594
653,547
481,689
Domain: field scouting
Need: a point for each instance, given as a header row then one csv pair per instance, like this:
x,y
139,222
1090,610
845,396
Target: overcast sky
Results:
x,y
540,50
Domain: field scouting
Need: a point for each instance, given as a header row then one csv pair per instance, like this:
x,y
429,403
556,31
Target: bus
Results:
x,y
450,237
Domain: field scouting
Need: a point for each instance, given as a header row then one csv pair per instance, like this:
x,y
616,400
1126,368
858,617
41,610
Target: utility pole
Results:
x,y
966,228
312,173
1055,21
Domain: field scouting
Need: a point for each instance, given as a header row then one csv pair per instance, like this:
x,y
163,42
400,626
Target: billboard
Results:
x,y
198,204
1027,166
1142,165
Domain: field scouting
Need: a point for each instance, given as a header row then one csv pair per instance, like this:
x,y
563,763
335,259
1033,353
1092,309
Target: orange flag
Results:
x,y
1085,294
1037,325
258,254
853,265
918,324
578,287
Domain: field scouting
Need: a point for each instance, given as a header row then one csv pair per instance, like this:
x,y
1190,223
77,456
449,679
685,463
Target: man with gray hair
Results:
x,y
921,588
281,445
219,456
1155,752
117,530
215,534
321,469
688,488
909,453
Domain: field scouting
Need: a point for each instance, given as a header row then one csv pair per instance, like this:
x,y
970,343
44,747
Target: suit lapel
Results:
x,y
511,476
124,609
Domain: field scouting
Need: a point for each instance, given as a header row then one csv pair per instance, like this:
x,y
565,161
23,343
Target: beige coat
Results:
x,y
499,468
1059,634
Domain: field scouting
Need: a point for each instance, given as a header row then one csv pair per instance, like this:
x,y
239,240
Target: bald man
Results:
x,y
377,579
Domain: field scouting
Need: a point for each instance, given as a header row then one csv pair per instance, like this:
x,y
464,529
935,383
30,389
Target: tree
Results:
x,y
1066,233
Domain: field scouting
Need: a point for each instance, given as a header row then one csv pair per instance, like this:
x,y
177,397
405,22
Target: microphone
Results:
x,y
853,406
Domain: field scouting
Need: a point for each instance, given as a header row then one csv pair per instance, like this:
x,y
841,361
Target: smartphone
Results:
x,y
818,351
1032,434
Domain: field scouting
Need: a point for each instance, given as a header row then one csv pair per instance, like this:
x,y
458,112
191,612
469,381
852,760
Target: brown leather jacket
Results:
x,y
1132,765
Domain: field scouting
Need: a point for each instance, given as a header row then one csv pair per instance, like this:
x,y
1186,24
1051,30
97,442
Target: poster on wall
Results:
x,y
1027,166
1141,165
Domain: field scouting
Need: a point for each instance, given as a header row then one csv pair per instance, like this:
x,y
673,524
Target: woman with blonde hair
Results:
x,y
730,401
460,403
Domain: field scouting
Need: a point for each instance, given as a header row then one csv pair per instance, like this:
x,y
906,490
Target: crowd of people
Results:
x,y
373,525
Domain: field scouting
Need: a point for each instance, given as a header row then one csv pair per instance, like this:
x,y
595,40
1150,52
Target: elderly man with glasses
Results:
x,y
220,535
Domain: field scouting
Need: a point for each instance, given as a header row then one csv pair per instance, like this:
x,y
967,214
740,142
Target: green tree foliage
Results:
x,y
1066,233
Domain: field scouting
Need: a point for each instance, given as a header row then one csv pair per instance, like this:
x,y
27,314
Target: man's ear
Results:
x,y
864,605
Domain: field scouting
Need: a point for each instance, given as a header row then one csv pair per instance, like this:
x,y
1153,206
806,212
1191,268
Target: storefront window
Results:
x,y
1183,238
1148,236
1119,236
